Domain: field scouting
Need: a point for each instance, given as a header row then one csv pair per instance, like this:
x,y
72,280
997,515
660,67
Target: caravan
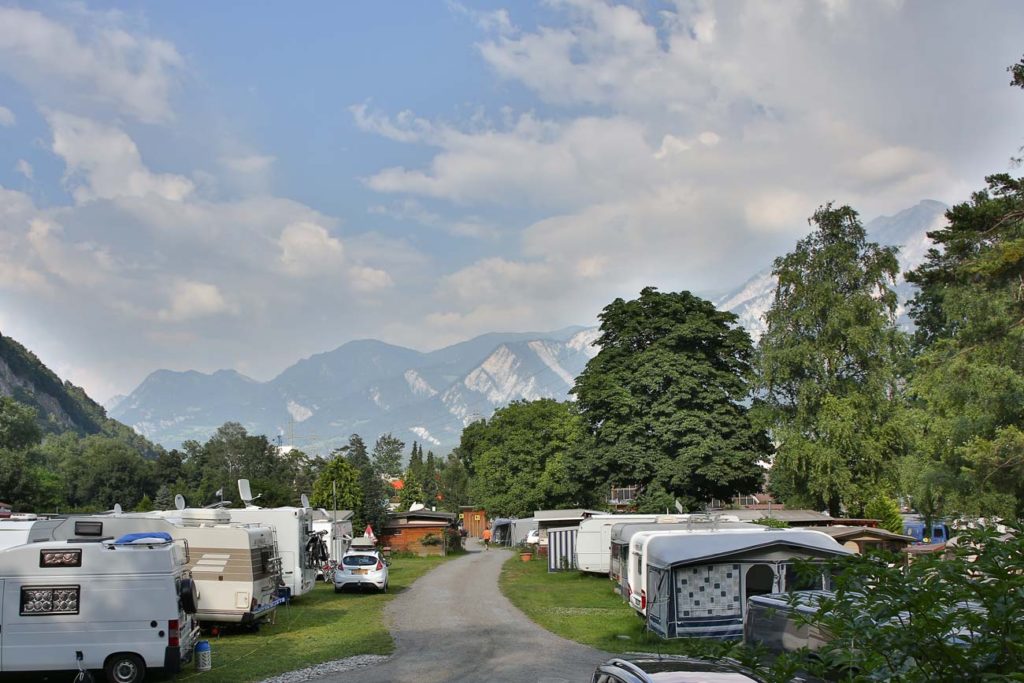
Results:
x,y
233,565
301,552
121,606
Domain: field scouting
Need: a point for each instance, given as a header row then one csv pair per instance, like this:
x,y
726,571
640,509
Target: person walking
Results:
x,y
487,538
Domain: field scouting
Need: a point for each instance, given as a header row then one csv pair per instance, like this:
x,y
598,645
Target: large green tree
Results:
x,y
373,509
521,455
968,386
387,455
337,487
452,484
663,401
828,366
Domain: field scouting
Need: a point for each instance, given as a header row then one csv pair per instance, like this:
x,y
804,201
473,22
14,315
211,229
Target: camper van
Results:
x,y
301,552
593,540
122,606
636,568
233,565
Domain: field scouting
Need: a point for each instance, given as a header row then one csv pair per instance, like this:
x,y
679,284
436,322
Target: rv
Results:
x,y
301,552
699,586
594,542
622,533
636,567
121,606
233,565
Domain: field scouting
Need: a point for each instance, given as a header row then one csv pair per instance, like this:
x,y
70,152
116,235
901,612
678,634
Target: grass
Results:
x,y
318,627
584,608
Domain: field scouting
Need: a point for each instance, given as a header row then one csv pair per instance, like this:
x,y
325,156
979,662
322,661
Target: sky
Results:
x,y
240,185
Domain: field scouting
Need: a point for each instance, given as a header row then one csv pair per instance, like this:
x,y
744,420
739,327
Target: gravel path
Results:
x,y
454,625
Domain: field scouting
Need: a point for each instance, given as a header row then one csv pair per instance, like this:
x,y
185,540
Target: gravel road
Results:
x,y
454,625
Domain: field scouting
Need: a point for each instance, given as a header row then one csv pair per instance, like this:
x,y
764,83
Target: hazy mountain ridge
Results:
x,y
370,387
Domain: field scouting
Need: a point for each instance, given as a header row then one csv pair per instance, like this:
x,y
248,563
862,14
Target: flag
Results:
x,y
369,533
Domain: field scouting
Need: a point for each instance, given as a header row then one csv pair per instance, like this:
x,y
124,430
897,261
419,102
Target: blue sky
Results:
x,y
238,185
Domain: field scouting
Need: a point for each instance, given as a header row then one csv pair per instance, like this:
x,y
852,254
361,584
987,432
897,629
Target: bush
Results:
x,y
772,523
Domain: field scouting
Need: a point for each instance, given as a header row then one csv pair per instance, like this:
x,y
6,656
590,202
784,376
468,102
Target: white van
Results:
x,y
121,606
297,545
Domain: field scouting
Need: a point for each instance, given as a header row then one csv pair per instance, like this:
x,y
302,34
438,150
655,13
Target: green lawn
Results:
x,y
584,608
318,627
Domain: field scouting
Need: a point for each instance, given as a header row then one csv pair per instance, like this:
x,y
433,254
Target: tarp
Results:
x,y
144,537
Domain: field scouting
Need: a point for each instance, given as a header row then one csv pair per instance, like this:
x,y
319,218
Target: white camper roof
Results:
x,y
624,532
666,551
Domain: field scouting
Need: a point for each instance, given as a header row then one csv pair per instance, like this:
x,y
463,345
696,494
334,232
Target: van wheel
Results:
x,y
125,667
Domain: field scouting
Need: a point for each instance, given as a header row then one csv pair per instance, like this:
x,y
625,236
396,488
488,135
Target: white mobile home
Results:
x,y
593,541
233,565
699,586
122,607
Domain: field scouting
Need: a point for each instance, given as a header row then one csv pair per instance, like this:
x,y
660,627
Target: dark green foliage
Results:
x,y
373,509
431,479
337,486
969,376
663,401
828,366
18,427
411,492
520,458
953,618
772,523
453,484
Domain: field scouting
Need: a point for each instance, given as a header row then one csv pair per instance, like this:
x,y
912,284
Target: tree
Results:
x,y
164,499
969,371
887,512
374,507
430,479
337,487
411,492
387,455
828,366
663,401
18,426
521,457
415,462
453,484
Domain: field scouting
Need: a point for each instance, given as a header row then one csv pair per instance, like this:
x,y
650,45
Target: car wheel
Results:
x,y
125,667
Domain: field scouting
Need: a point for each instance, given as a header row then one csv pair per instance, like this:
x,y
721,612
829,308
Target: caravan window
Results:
x,y
47,600
88,528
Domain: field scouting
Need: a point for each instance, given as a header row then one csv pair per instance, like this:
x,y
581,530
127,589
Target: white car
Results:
x,y
533,537
361,570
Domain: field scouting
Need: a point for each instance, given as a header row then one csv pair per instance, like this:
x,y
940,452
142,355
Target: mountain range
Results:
x,y
371,388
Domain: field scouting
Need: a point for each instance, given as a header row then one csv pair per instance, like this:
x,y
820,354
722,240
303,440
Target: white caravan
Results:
x,y
593,540
636,569
299,549
122,606
233,565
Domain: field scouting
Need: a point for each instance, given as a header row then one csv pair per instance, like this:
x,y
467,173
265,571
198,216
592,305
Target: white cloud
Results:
x,y
90,58
251,163
307,249
189,299
103,162
366,279
7,117
779,209
25,169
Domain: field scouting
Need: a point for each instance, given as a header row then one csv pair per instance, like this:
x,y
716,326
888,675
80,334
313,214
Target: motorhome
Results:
x,y
622,533
698,586
121,606
300,551
636,567
233,565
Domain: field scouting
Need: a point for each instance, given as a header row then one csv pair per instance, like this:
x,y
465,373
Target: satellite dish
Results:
x,y
117,508
305,500
244,491
416,506
179,501
679,506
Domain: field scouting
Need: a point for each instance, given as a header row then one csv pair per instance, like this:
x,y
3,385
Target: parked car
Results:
x,y
672,669
533,537
361,570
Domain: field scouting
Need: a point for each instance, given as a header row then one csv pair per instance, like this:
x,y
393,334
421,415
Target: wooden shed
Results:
x,y
860,539
421,532
474,520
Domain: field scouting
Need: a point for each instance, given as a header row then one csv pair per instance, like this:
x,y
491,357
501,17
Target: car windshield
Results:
x,y
359,560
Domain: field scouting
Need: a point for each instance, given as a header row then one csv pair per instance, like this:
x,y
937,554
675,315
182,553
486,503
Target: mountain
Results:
x,y
366,387
60,406
371,388
907,230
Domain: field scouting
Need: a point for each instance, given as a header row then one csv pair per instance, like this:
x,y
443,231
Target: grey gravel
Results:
x,y
454,625
320,670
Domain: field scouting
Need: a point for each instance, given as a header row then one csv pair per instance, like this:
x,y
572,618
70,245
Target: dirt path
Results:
x,y
454,624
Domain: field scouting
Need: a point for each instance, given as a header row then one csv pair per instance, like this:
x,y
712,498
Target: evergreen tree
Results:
x,y
886,511
374,507
430,480
415,467
387,455
338,485
453,484
828,366
411,492
164,498
664,401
